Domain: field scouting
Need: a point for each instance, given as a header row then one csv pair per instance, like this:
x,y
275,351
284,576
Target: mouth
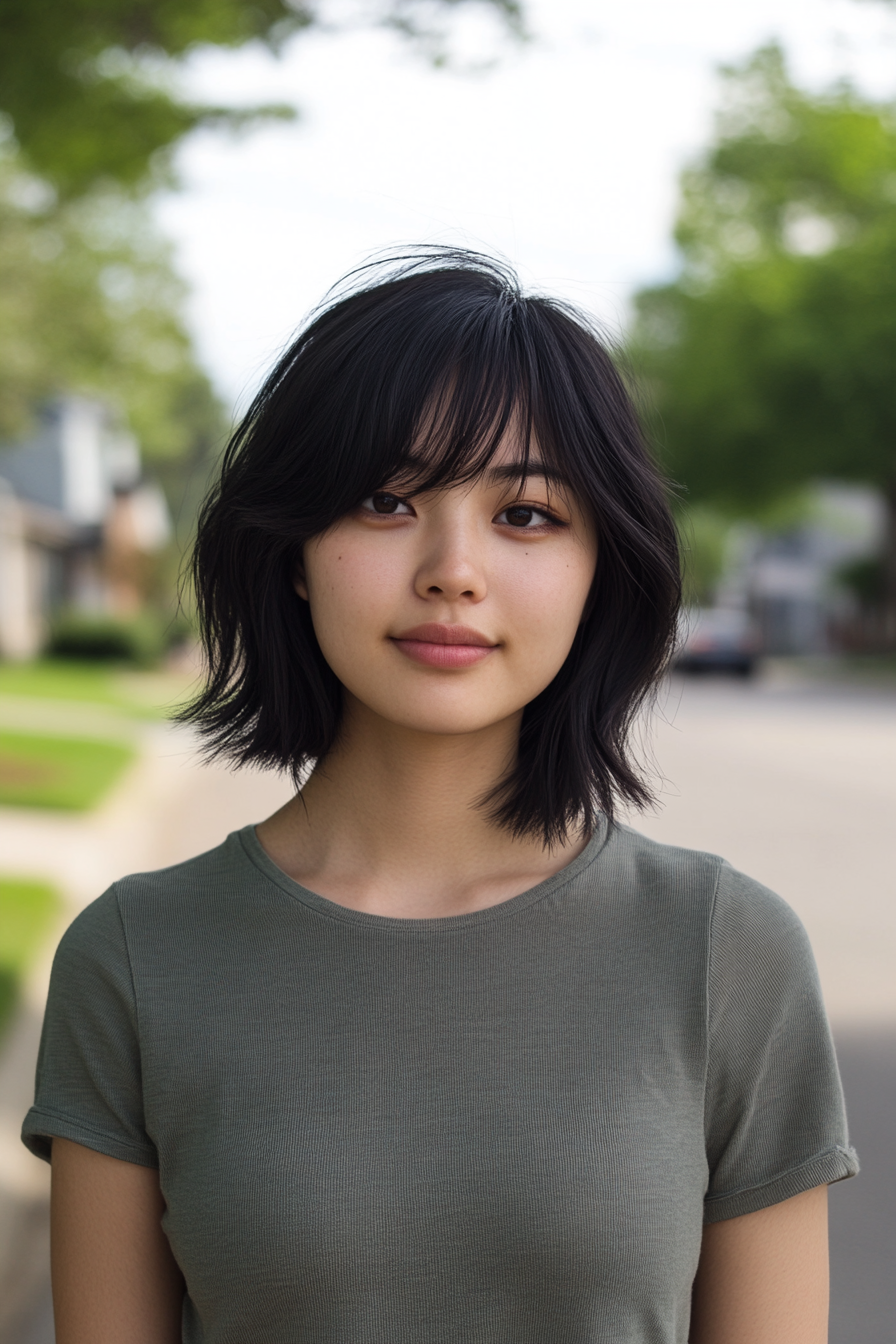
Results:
x,y
445,646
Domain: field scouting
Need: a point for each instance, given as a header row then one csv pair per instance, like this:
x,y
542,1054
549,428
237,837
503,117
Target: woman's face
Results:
x,y
448,612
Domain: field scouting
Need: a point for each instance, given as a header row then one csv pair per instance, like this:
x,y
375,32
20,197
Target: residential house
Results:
x,y
76,522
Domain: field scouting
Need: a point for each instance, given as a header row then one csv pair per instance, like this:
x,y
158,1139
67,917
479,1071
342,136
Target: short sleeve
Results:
x,y
775,1117
88,1069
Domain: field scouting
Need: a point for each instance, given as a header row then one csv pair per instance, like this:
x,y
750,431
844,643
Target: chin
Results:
x,y
441,719
445,725
442,711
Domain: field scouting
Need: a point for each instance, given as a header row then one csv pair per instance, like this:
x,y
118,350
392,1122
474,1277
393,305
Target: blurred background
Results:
x,y
179,185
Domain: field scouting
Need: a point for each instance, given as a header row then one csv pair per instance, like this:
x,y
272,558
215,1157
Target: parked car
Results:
x,y
717,639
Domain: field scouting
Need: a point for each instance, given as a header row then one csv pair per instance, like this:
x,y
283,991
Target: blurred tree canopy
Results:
x,y
90,85
89,301
771,359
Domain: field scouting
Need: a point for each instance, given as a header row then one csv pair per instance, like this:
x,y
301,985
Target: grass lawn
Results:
x,y
143,694
59,772
27,912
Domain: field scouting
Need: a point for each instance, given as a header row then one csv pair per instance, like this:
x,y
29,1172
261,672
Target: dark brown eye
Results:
x,y
520,515
383,502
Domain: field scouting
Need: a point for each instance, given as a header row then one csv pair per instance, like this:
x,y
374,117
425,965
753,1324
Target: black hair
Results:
x,y
439,346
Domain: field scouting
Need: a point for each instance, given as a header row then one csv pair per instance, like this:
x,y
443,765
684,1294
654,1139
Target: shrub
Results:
x,y
95,638
865,578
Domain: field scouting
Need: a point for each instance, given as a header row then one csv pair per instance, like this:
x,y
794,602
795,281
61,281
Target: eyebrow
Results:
x,y
522,471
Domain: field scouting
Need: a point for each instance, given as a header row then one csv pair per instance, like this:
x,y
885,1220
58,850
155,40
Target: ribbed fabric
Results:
x,y
502,1128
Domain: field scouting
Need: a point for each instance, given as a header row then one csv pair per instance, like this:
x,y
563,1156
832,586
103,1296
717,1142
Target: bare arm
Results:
x,y
763,1278
114,1277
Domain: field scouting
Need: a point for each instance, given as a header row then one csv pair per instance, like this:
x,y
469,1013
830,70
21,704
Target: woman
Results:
x,y
439,1051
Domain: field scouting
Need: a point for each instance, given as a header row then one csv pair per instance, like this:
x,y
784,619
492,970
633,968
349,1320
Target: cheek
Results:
x,y
349,589
549,598
544,603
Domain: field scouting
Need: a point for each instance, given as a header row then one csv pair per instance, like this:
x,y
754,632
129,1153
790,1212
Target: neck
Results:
x,y
389,822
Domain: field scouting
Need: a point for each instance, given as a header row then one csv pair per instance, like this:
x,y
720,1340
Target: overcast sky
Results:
x,y
563,157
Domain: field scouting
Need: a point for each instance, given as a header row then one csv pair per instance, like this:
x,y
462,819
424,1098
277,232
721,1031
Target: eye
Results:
x,y
382,502
525,517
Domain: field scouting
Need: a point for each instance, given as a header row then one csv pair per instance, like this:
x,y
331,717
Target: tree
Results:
x,y
90,85
770,359
89,302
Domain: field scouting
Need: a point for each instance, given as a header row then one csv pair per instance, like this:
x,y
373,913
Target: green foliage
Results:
x,y
865,578
85,637
90,86
28,911
66,773
770,360
704,535
139,641
90,302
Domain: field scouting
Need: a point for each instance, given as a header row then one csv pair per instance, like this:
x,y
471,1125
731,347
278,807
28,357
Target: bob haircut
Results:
x,y
408,376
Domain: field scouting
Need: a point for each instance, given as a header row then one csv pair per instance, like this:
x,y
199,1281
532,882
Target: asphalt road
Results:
x,y
795,783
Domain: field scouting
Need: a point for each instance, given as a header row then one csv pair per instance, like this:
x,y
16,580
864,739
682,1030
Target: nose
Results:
x,y
451,565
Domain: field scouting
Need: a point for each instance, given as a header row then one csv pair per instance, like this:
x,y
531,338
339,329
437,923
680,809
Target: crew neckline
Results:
x,y
260,859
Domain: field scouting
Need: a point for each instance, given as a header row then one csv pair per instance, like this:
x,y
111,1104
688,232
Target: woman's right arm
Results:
x,y
114,1277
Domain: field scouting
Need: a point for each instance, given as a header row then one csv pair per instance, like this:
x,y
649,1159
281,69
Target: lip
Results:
x,y
434,633
446,646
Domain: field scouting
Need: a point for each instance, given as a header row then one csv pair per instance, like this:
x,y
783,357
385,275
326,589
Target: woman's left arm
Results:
x,y
763,1277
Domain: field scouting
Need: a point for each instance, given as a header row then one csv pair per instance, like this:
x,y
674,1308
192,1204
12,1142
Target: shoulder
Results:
x,y
759,949
736,904
660,865
697,899
217,871
747,909
163,906
199,893
667,888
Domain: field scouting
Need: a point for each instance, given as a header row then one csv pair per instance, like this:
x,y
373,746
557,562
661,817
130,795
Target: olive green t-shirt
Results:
x,y
506,1127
